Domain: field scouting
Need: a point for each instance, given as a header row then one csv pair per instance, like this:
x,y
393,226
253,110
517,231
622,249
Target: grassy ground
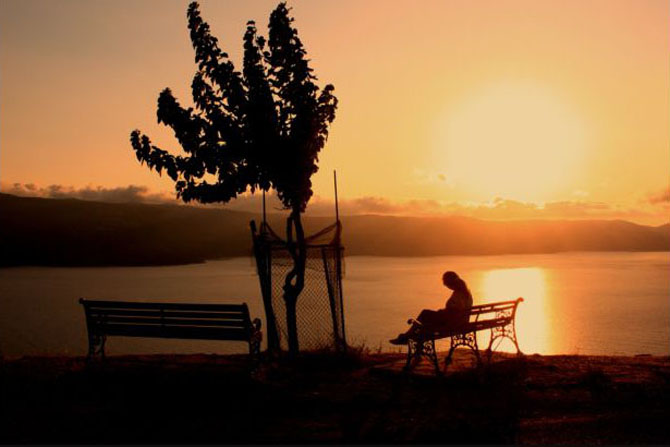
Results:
x,y
320,398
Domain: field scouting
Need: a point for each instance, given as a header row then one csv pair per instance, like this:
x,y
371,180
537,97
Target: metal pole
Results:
x,y
337,208
338,264
264,219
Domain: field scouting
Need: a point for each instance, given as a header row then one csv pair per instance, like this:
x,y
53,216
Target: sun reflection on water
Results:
x,y
533,316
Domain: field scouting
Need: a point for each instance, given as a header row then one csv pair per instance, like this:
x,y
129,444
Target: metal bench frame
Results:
x,y
499,318
170,320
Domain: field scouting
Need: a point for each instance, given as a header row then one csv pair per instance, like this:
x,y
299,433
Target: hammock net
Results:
x,y
319,313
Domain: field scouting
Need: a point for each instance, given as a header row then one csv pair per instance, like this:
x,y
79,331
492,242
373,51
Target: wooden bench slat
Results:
x,y
491,308
471,327
177,306
204,333
105,320
487,324
239,316
479,311
497,303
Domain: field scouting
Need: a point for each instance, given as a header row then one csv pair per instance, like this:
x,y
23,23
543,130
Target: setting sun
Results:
x,y
531,284
520,141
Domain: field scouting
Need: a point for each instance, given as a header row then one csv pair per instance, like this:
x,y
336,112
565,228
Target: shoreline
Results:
x,y
360,255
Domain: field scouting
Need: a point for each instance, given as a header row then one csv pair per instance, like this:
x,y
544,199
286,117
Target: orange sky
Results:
x,y
452,105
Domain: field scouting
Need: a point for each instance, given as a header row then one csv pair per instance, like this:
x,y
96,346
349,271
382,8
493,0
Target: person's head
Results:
x,y
453,281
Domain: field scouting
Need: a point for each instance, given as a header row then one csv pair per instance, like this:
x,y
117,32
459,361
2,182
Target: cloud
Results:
x,y
121,194
497,209
661,197
423,177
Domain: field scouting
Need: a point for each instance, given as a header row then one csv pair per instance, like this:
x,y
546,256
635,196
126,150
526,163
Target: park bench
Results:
x,y
170,320
497,317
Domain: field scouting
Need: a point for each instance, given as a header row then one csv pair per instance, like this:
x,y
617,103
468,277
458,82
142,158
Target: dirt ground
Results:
x,y
329,399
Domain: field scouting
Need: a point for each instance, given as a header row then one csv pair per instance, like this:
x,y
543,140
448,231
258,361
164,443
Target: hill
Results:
x,y
38,231
407,236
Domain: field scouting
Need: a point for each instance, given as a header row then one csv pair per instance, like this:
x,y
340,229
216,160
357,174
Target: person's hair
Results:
x,y
453,278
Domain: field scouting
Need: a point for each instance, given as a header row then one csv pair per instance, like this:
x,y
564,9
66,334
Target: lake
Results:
x,y
574,303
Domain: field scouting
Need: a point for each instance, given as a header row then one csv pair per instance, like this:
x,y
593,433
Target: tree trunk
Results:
x,y
292,323
295,279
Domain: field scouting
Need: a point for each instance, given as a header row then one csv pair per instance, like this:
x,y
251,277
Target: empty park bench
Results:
x,y
497,317
170,320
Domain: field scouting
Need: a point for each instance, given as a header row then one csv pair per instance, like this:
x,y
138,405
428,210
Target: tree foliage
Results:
x,y
261,128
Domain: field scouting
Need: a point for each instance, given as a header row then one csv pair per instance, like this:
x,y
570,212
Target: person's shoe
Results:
x,y
399,340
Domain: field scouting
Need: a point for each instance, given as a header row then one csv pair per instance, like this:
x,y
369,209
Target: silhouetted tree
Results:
x,y
259,129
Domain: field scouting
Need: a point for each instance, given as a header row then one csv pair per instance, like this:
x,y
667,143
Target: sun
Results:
x,y
517,141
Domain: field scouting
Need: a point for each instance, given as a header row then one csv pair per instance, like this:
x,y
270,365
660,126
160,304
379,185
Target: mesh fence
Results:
x,y
319,313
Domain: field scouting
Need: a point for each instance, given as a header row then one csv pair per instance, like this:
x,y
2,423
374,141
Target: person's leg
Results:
x,y
425,318
424,315
429,318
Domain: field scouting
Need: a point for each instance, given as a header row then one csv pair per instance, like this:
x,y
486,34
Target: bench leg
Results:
x,y
408,362
255,354
429,349
416,349
91,348
476,349
414,352
508,331
447,359
489,349
96,346
469,340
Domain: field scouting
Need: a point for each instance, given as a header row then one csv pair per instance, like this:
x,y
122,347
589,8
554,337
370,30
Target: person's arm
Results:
x,y
457,303
450,302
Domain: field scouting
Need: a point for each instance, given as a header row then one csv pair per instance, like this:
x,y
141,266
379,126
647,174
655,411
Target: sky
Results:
x,y
497,109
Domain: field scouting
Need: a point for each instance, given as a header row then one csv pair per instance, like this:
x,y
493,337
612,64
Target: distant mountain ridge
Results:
x,y
71,232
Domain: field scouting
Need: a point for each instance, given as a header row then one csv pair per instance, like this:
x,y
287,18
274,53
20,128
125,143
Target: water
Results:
x,y
574,303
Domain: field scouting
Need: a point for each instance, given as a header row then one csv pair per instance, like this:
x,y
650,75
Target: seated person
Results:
x,y
456,312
